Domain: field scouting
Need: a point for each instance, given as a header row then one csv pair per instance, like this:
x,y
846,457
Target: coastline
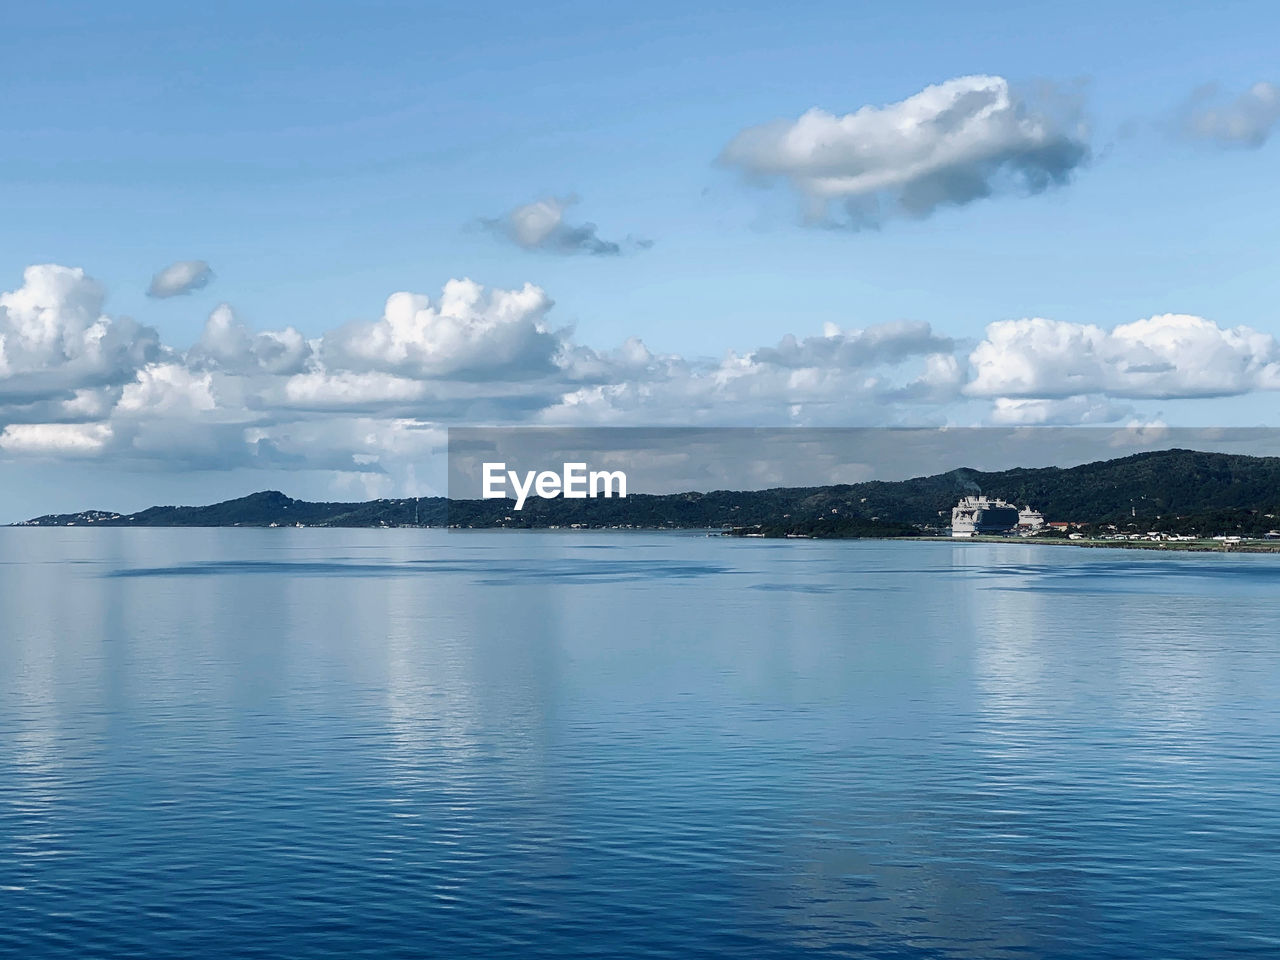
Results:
x,y
1191,546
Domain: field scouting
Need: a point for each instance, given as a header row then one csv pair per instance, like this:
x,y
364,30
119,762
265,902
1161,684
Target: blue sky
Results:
x,y
323,156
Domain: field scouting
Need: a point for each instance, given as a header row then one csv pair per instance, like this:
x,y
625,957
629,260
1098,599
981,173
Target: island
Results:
x,y
1180,499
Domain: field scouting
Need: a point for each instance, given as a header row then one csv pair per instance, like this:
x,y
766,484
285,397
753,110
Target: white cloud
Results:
x,y
854,377
167,389
227,344
90,403
370,400
883,343
541,226
1166,356
1247,121
180,278
1019,411
321,390
947,145
55,339
57,439
470,333
362,444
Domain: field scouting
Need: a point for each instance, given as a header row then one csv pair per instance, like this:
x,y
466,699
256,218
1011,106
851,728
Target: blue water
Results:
x,y
308,743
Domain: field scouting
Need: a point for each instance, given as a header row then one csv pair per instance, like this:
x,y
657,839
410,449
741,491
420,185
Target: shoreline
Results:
x,y
1185,546
1192,546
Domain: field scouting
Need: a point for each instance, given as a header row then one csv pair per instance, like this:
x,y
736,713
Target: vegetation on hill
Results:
x,y
1178,491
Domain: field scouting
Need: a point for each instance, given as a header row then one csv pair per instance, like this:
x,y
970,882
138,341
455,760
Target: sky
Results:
x,y
287,245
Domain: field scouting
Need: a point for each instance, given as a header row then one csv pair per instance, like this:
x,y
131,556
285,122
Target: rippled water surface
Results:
x,y
307,743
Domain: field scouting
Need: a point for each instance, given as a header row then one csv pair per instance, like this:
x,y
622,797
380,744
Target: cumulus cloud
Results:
x,y
948,145
1071,411
227,344
55,339
884,343
840,377
179,278
1247,121
56,439
167,389
348,390
541,226
1167,356
370,399
468,333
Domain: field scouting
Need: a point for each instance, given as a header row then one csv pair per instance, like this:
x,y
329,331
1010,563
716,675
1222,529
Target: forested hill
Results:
x,y
1164,485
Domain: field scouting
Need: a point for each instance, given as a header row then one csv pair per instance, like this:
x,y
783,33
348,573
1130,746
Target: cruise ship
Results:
x,y
975,515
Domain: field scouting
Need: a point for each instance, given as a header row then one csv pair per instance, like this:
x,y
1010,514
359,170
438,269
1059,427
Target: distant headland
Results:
x,y
1173,496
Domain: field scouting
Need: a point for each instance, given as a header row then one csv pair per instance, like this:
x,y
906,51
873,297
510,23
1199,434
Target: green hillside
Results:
x,y
1174,490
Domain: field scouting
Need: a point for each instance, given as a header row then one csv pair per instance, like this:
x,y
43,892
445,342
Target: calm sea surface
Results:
x,y
308,743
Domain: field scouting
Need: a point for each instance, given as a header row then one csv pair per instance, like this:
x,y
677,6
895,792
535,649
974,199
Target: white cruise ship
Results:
x,y
975,515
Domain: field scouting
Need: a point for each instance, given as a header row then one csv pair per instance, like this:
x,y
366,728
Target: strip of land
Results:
x,y
1172,499
1182,546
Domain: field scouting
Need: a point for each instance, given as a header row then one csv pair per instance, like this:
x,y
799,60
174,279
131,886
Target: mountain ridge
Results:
x,y
1175,487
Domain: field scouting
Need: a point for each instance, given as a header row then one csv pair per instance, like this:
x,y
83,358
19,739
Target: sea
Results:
x,y
304,743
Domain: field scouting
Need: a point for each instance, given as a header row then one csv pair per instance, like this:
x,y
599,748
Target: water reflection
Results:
x,y
395,742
